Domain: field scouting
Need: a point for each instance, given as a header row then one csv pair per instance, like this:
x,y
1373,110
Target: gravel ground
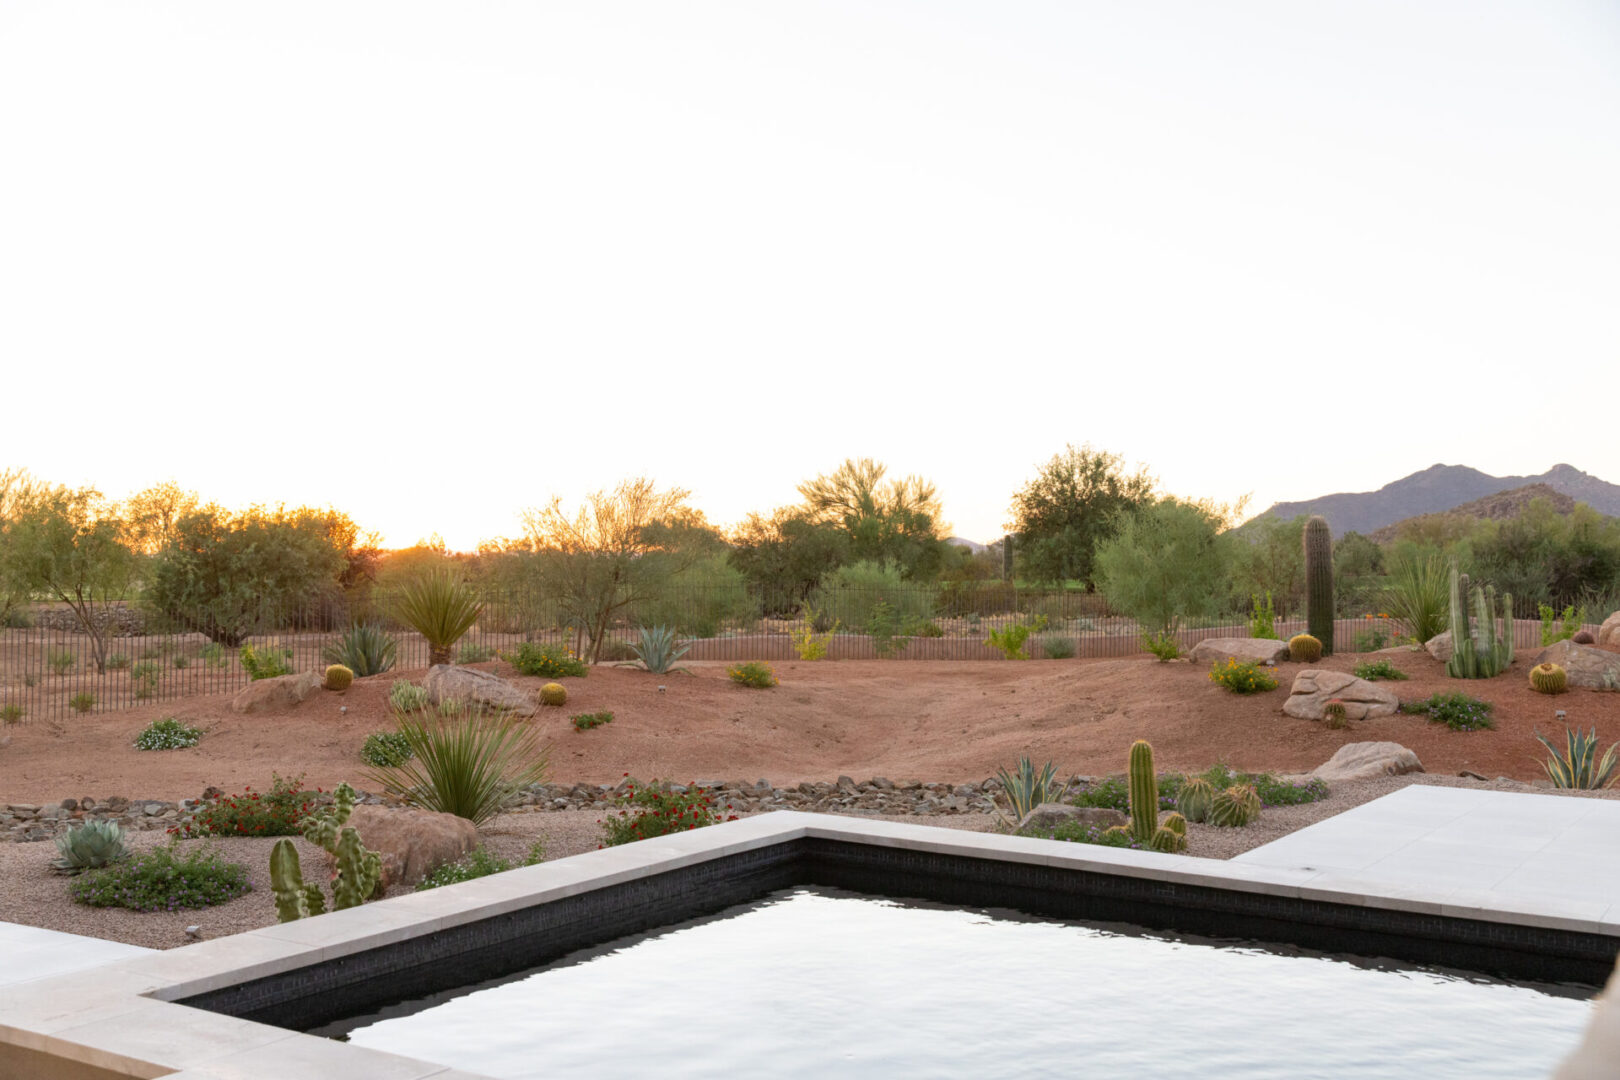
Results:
x,y
32,895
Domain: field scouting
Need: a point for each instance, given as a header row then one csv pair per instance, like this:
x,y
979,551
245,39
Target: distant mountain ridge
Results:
x,y
1498,507
1440,488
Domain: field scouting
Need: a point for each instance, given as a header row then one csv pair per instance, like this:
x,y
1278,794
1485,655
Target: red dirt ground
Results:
x,y
927,720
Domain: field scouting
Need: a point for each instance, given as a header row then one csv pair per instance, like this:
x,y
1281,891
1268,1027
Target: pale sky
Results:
x,y
434,263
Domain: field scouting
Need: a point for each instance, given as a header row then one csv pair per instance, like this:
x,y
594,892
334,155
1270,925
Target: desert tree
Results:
x,y
1077,500
784,557
150,516
1164,563
892,522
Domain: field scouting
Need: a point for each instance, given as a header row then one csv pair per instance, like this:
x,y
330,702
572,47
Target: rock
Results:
x,y
282,692
1049,815
1609,632
1588,666
1220,650
448,682
1367,761
1440,646
412,843
1314,688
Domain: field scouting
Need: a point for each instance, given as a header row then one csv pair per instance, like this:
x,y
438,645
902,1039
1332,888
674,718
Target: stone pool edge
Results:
x,y
122,1020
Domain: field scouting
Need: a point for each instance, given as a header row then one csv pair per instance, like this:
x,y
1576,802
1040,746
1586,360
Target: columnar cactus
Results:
x,y
1549,678
295,898
1235,807
1195,798
358,870
1144,792
1319,582
1478,651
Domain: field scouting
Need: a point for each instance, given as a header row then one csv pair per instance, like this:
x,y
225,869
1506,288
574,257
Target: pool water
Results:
x,y
813,982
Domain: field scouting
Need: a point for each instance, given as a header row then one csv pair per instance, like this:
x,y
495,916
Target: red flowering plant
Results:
x,y
646,810
276,812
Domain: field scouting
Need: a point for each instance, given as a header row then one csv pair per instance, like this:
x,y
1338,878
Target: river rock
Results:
x,y
447,682
412,843
1314,688
1220,650
1049,815
1609,632
282,692
1367,761
1588,666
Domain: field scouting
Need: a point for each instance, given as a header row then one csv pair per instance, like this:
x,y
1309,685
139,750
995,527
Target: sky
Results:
x,y
437,263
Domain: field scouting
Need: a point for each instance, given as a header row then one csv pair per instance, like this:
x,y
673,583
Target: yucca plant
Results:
x,y
471,763
1419,595
1579,766
440,608
365,649
89,847
658,649
1026,789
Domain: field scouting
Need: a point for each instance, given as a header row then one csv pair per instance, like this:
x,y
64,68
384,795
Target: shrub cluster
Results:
x,y
1114,792
160,881
1373,670
273,813
405,696
168,733
656,809
1242,677
481,862
265,665
586,721
386,749
1459,712
755,674
545,661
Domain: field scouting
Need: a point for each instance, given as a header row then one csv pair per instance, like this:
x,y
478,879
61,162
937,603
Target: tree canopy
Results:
x,y
893,522
1077,500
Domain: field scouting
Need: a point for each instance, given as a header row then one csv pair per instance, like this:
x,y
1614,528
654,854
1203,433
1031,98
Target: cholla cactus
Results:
x,y
358,870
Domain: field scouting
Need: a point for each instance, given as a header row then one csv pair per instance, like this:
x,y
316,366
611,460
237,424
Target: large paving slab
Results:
x,y
31,953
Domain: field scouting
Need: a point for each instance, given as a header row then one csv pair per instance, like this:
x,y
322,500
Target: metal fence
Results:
x,y
48,670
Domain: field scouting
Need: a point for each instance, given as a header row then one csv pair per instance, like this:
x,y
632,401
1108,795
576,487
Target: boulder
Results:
x,y
1589,667
412,843
1314,688
1220,650
1440,646
1049,815
1609,632
447,682
1367,761
282,692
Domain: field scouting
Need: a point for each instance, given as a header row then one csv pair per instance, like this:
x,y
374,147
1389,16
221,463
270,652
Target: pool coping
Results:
x,y
123,1019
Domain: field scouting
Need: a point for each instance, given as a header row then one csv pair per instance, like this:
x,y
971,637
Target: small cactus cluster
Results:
x,y
1549,679
1235,807
1145,828
338,677
358,869
1304,649
1478,649
554,694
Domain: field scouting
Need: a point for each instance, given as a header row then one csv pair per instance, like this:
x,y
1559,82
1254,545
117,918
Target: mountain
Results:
x,y
1439,488
1498,507
971,545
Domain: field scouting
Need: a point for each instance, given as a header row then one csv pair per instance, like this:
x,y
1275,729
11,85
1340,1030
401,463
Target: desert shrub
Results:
x,y
753,673
406,696
1076,832
117,662
60,661
1559,627
365,649
1272,791
266,664
471,763
544,660
656,809
182,662
480,862
1009,640
82,702
89,846
1163,645
1242,677
1058,648
1459,712
883,630
851,594
807,642
385,749
168,733
586,721
146,677
276,812
30,680
1114,793
15,618
1373,670
1419,595
1263,618
471,652
159,880
11,713
212,654
923,628
699,600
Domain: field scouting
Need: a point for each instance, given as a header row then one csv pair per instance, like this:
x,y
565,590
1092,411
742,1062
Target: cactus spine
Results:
x,y
1478,651
358,870
1144,793
1195,799
1549,679
1304,649
1319,582
1235,807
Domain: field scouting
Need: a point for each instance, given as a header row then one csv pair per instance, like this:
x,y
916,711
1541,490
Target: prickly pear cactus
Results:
x,y
1549,679
1235,807
1144,792
1195,799
1304,649
338,677
553,694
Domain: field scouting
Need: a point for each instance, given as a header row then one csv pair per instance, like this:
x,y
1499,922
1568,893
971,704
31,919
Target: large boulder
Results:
x,y
1367,761
412,843
1049,815
447,682
1220,650
1588,666
1314,688
281,692
1440,646
1609,632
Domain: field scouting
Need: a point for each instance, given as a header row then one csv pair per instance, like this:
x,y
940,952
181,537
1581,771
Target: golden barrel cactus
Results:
x,y
338,677
553,694
1549,679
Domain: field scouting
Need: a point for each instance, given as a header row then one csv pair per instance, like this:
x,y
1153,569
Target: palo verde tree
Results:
x,y
1164,563
785,557
896,523
1076,501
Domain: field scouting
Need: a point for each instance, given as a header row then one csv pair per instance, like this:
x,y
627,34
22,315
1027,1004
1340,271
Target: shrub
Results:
x,y
146,677
117,662
182,662
471,652
851,594
441,608
1076,832
657,809
386,749
1058,648
1009,640
1304,649
1578,766
883,630
1163,645
698,600
657,650
1263,619
338,678
805,641
365,649
1419,595
212,654
89,846
923,628
60,661
160,881
273,813
755,674
11,713
481,862
168,733
264,665
1459,712
1272,791
554,694
586,721
544,661
1373,670
1558,627
1242,677
82,702
472,763
405,696
1375,637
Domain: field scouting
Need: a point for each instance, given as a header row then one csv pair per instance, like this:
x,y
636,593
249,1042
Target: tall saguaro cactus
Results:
x,y
1319,582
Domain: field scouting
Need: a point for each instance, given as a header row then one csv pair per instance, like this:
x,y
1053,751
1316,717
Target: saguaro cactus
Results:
x,y
1144,792
1319,582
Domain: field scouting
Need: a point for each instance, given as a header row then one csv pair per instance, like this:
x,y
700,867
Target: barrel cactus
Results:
x,y
1171,836
1336,713
338,677
1319,582
1549,679
553,694
1304,649
1235,807
1195,799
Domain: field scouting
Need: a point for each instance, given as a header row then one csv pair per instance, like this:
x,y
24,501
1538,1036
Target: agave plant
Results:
x,y
440,608
1028,788
471,763
366,649
658,650
1579,766
90,846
